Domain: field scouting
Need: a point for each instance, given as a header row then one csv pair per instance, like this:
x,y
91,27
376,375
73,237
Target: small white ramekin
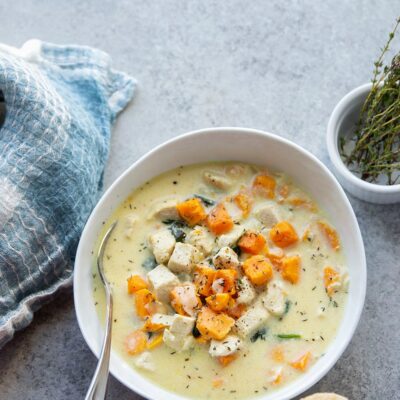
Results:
x,y
341,122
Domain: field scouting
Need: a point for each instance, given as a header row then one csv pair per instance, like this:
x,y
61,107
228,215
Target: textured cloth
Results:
x,y
60,104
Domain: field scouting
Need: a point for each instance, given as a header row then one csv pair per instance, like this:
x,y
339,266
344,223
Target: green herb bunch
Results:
x,y
376,149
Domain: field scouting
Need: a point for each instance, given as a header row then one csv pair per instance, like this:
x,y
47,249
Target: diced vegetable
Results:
x,y
219,221
226,360
302,363
265,185
260,334
217,382
143,298
330,234
244,202
225,281
288,336
252,242
136,342
258,269
157,341
218,302
290,269
277,354
284,191
135,283
205,200
149,263
150,326
331,280
236,310
177,232
203,279
300,202
283,234
184,299
192,211
212,325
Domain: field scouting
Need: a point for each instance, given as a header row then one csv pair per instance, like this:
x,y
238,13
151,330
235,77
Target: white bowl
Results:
x,y
341,123
225,144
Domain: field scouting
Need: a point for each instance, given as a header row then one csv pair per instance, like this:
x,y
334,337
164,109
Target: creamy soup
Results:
x,y
228,281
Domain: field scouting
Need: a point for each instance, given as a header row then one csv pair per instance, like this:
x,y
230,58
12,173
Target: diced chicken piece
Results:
x,y
230,239
163,281
162,319
177,342
237,170
267,215
274,299
165,209
220,348
182,258
198,256
162,244
130,223
217,180
201,238
145,361
182,325
252,320
226,258
247,292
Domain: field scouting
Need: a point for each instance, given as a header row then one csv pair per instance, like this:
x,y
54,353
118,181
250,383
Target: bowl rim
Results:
x,y
357,311
338,113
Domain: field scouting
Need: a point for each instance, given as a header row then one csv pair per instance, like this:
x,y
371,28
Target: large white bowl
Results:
x,y
225,144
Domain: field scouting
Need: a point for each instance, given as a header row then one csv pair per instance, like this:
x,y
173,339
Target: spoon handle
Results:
x,y
98,386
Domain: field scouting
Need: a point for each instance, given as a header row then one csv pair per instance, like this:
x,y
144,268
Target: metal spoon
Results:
x,y
98,386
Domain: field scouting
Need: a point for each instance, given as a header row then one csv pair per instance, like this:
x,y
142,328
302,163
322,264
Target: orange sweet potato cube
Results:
x,y
212,325
252,242
225,281
143,299
290,269
192,211
283,234
218,302
265,185
258,269
219,221
135,283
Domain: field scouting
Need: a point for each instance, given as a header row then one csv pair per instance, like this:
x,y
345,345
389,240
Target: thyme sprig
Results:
x,y
376,150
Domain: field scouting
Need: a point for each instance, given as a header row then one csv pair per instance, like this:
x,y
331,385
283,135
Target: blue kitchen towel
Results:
x,y
60,104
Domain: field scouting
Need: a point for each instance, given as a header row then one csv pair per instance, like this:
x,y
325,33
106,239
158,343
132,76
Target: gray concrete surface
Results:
x,y
275,65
